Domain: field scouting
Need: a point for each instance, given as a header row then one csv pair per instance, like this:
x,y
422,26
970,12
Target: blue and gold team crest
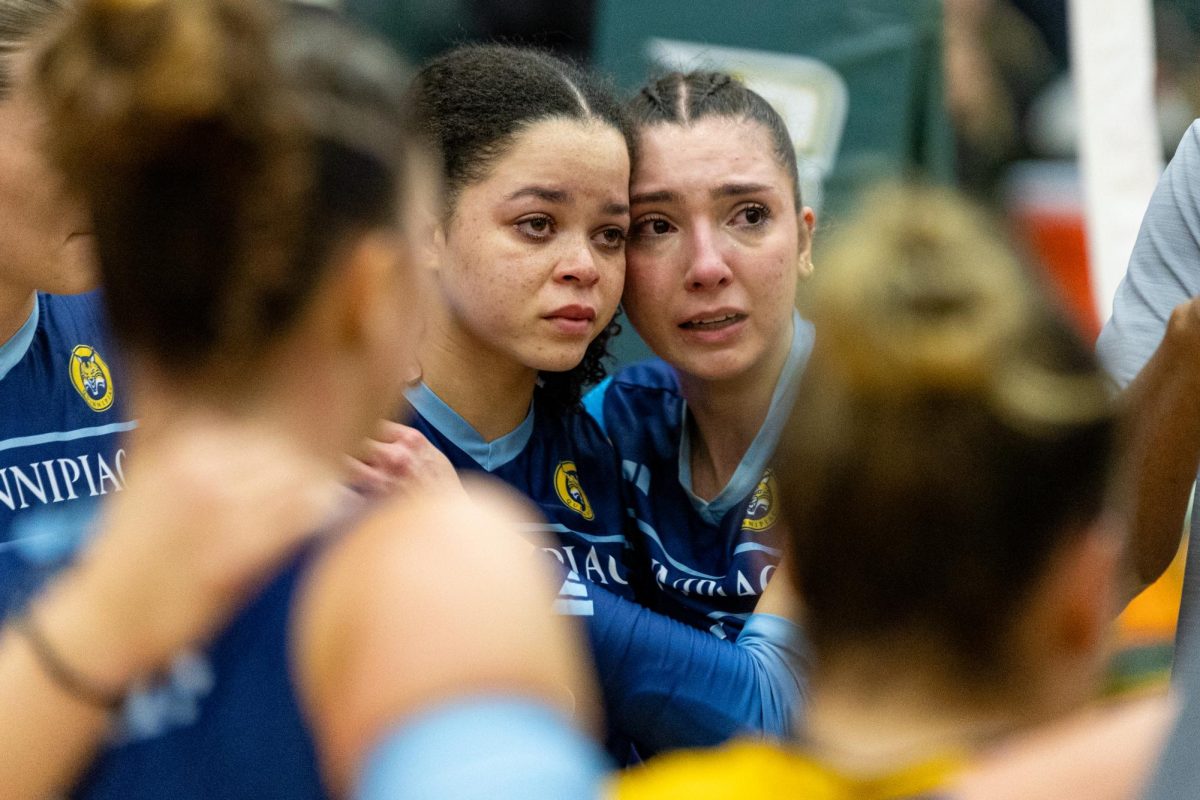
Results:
x,y
763,508
91,378
570,492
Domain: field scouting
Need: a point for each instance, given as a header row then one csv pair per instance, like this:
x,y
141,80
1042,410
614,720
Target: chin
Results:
x,y
711,367
557,359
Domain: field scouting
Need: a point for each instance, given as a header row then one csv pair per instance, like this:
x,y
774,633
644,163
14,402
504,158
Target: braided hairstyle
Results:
x,y
680,98
473,103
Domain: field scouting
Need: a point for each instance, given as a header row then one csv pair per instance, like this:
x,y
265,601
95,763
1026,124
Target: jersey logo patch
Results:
x,y
570,492
91,378
762,510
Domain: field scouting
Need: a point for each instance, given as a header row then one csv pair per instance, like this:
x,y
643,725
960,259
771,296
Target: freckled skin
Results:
x,y
713,256
508,262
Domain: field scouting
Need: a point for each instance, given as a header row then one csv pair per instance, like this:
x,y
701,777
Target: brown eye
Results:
x,y
752,216
654,226
609,238
539,227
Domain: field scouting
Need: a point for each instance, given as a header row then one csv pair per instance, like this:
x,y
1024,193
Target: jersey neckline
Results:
x,y
12,351
750,469
489,455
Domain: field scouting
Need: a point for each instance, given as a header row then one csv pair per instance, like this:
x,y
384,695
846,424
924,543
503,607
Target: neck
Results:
x,y
487,388
725,416
288,402
875,720
15,307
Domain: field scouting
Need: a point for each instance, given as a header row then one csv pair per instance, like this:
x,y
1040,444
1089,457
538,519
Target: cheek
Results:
x,y
646,283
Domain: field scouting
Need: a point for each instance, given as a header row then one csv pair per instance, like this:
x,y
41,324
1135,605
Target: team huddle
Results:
x,y
315,480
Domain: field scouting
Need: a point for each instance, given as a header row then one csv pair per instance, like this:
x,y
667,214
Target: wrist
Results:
x,y
92,637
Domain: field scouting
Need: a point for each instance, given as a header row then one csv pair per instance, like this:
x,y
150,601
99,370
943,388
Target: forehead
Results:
x,y
584,155
711,152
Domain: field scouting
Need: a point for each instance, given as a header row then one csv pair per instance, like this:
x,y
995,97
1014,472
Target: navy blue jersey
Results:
x,y
704,563
223,721
565,465
665,685
61,414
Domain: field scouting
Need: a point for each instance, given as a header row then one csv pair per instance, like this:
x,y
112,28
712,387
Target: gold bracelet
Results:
x,y
59,672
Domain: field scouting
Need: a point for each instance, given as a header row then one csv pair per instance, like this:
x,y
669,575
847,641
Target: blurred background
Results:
x,y
1056,113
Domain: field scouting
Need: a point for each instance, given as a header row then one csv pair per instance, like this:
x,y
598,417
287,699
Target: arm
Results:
x,y
429,613
667,685
1151,344
1163,449
179,549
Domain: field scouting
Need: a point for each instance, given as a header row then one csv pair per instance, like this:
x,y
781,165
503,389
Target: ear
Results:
x,y
360,300
806,221
1078,594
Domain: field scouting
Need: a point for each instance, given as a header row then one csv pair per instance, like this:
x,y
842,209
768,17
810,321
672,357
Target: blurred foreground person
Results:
x,y
249,173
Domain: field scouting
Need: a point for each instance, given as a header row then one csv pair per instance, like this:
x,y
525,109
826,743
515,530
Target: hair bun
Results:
x,y
134,71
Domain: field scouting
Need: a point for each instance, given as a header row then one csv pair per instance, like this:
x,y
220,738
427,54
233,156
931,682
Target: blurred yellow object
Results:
x,y
1154,613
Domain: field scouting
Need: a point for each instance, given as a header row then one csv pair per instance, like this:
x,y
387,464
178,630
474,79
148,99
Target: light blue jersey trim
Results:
x,y
484,748
593,402
750,470
67,436
489,455
652,534
554,527
12,351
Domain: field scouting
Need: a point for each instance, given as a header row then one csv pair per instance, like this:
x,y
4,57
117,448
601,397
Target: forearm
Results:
x,y
48,734
667,685
1162,456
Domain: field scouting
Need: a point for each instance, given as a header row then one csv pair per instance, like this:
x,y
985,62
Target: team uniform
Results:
x,y
1164,271
221,721
63,414
664,684
702,562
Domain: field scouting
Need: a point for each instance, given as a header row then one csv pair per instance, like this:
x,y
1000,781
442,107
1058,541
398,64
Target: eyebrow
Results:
x,y
663,196
542,193
563,197
739,189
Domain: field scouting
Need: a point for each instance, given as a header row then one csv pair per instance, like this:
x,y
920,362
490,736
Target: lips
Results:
x,y
574,313
712,321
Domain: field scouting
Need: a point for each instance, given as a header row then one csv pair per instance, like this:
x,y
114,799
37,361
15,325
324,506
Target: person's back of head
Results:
x,y
227,150
952,439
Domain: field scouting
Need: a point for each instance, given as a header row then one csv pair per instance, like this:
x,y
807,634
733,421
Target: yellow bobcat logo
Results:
x,y
570,492
91,378
762,510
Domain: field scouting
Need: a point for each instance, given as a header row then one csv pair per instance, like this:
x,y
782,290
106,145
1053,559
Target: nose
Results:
x,y
578,265
707,268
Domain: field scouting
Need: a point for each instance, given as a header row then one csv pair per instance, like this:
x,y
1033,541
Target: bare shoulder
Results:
x,y
429,598
1101,754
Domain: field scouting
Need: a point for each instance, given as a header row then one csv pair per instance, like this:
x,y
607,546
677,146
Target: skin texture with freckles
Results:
x,y
530,267
715,250
512,260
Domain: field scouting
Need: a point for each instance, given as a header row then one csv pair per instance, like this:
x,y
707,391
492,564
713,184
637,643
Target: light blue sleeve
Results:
x,y
593,402
1164,268
667,685
485,748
